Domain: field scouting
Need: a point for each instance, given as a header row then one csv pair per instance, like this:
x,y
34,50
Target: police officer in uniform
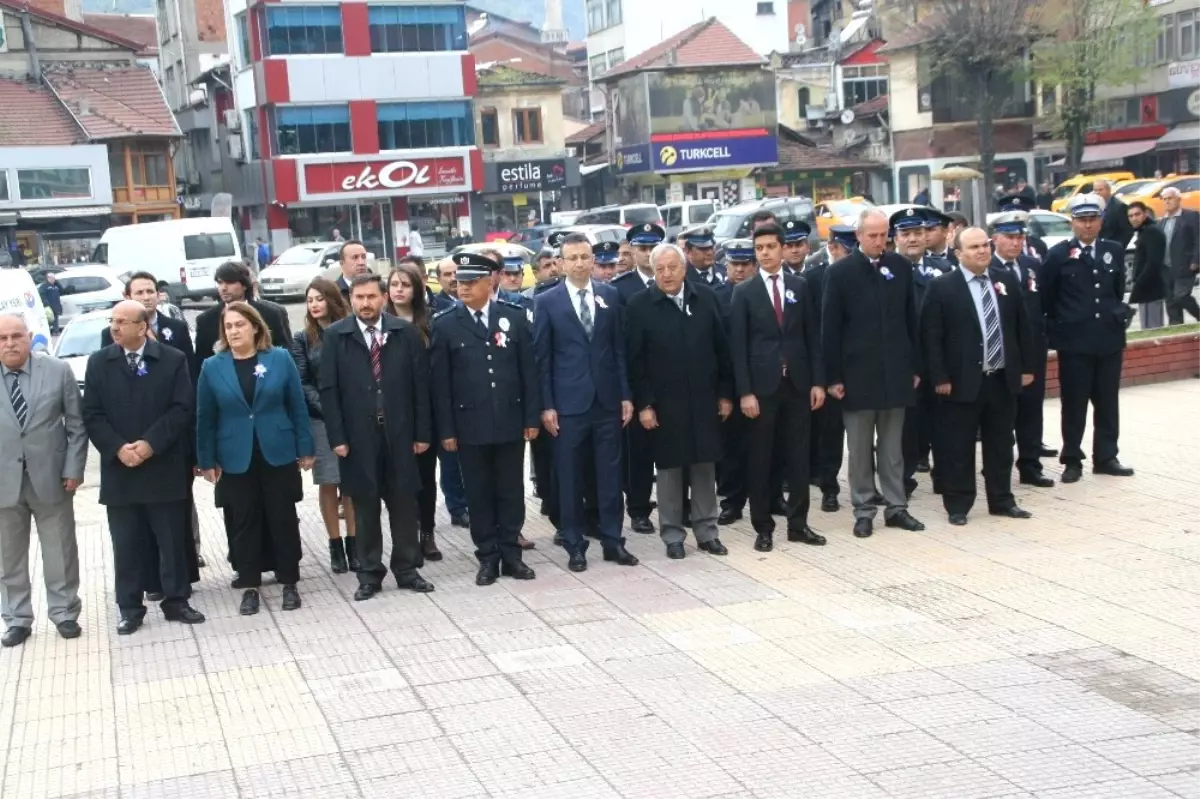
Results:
x,y
511,277
486,406
637,456
1023,204
700,247
731,469
937,236
605,267
1083,293
795,245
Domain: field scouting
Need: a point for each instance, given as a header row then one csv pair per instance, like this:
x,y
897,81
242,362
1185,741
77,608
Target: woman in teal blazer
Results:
x,y
253,434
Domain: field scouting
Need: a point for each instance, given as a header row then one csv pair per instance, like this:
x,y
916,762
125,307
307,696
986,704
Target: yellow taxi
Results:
x,y
1082,184
1189,191
838,212
506,249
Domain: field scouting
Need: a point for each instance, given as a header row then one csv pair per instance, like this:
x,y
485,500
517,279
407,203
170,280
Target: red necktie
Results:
x,y
776,299
376,366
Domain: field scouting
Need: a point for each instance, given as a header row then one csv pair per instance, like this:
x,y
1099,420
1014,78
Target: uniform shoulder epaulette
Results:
x,y
443,312
511,304
623,275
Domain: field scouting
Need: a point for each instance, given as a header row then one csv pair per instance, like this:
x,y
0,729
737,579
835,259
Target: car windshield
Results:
x,y
82,338
1065,191
298,256
1133,187
637,215
727,224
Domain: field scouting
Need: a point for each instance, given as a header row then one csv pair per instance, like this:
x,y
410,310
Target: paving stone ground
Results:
x,y
1052,658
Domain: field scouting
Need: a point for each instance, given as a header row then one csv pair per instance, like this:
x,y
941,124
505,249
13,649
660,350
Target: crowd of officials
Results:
x,y
645,369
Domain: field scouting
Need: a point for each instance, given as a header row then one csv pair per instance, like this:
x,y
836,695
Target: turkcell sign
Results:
x,y
681,154
633,159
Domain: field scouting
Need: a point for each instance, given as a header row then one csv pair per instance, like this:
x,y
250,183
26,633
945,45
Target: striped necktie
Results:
x,y
992,340
376,354
18,400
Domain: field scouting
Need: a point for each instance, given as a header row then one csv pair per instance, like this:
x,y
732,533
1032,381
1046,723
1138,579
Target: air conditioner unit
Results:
x,y
233,119
235,148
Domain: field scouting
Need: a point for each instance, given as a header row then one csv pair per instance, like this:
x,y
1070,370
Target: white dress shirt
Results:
x,y
362,328
484,310
589,297
770,284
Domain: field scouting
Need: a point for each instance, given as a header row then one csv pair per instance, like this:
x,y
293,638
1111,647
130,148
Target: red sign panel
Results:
x,y
386,177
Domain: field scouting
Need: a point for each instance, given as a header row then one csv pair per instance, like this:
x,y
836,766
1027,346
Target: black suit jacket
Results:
x,y
1149,264
120,407
1184,247
1115,224
760,347
179,338
208,328
952,338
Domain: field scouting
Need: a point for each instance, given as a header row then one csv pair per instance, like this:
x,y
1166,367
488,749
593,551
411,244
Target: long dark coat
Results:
x,y
348,401
679,365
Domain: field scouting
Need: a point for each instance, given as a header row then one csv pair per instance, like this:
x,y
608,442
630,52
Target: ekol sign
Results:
x,y
514,177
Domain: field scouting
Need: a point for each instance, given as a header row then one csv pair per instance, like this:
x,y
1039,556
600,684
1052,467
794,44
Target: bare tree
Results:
x,y
1096,43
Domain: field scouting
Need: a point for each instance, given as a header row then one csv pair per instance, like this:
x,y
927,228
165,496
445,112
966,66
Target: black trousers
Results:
x,y
827,444
492,476
1030,410
1180,299
541,452
637,462
133,528
427,463
1095,379
401,502
260,511
784,421
735,460
991,414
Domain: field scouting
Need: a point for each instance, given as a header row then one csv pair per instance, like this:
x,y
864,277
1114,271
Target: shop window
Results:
x,y
490,127
405,126
312,129
527,125
417,29
303,30
54,184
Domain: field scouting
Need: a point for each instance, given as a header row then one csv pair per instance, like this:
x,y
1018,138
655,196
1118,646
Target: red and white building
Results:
x,y
360,116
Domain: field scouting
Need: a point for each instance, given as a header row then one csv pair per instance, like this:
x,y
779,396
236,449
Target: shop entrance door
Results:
x,y
709,191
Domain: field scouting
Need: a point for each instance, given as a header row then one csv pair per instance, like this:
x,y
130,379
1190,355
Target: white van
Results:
x,y
19,295
183,252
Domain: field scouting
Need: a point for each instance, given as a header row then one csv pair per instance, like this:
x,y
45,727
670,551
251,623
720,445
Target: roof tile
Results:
x,y
705,44
119,101
875,105
587,134
132,27
33,117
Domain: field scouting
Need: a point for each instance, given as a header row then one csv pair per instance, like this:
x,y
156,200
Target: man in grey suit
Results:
x,y
45,449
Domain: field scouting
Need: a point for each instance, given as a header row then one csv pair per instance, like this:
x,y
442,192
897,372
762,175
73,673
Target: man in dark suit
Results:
x,y
353,261
1010,258
872,364
735,454
775,344
1182,228
795,245
682,384
700,249
1083,293
979,353
1149,279
1114,222
579,338
637,456
137,408
486,406
375,399
234,284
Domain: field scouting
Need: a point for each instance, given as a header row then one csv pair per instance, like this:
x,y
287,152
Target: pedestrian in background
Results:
x,y
51,295
1181,226
1149,267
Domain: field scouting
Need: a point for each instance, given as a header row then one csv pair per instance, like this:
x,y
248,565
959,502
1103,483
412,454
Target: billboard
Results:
x,y
695,102
714,150
630,113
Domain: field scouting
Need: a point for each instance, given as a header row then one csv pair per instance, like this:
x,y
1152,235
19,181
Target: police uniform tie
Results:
x,y
132,358
992,340
479,321
1011,266
18,400
1087,250
585,314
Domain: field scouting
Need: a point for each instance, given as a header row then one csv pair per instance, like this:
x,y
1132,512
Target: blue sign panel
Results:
x,y
631,160
708,151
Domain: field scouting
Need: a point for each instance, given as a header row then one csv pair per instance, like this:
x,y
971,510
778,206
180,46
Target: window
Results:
x,y
208,245
243,35
700,213
490,126
149,165
860,84
615,56
595,15
3,185
169,81
413,125
116,165
1164,45
160,10
672,216
766,9
1186,185
251,126
312,129
527,125
417,29
54,184
613,13
598,65
303,30
1188,23
83,284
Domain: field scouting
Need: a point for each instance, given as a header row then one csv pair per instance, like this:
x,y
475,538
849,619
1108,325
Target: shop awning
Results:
x,y
1117,150
587,169
1186,135
62,213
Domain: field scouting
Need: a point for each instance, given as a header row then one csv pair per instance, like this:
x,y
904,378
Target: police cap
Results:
x,y
605,252
473,266
700,236
795,231
646,234
739,250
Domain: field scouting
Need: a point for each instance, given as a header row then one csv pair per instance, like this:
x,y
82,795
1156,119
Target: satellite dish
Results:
x,y
847,116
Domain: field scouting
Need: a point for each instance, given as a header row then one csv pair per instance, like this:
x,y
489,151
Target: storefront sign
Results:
x,y
1184,74
681,154
1179,105
631,160
357,177
521,176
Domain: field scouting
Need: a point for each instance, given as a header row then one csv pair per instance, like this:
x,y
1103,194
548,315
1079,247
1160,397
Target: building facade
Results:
x,y
361,118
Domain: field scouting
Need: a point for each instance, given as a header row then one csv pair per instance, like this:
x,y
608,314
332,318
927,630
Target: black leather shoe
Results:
x,y
69,629
415,583
337,556
829,503
1113,468
729,516
675,551
641,524
904,520
15,636
291,597
1037,480
923,465
429,547
765,542
1072,473
366,591
878,500
806,536
1012,512
517,570
713,547
577,563
1047,452
200,564
779,508
958,519
488,573
250,603
863,528
620,556
128,626
184,614
157,596
460,520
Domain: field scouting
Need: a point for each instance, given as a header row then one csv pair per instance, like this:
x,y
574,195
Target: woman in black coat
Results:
x,y
1149,268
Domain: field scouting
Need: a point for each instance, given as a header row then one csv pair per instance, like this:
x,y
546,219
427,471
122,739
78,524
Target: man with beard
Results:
x,y
234,284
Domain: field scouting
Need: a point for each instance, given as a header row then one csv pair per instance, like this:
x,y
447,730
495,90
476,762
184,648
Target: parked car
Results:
x,y
89,288
532,238
289,274
38,273
597,233
838,212
681,215
1189,191
506,249
734,223
627,215
1082,184
79,339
